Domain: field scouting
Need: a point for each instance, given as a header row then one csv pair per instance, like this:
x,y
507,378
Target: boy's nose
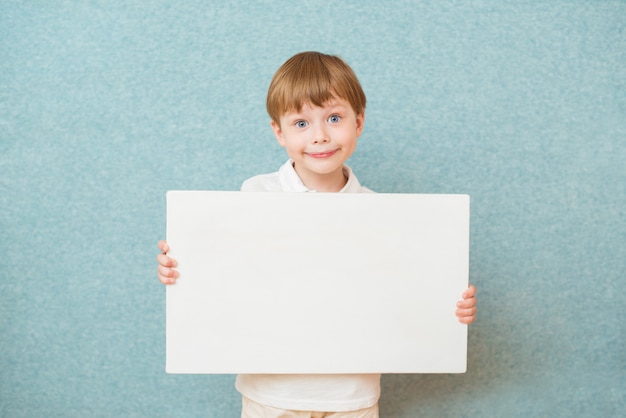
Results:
x,y
320,137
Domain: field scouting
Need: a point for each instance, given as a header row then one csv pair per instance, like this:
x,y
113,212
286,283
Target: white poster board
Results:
x,y
316,282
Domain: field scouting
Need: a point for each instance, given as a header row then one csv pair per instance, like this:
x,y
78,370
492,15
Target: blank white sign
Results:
x,y
316,282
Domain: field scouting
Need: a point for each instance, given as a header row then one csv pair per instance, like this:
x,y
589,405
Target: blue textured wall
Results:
x,y
106,105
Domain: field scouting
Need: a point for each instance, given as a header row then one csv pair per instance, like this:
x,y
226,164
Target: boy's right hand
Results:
x,y
165,271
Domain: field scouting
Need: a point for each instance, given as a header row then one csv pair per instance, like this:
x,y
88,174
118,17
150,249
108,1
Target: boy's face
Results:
x,y
319,140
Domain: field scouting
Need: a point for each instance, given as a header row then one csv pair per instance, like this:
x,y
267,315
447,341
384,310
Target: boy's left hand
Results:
x,y
466,308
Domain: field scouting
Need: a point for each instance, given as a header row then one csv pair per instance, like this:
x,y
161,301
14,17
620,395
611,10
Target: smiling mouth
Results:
x,y
321,155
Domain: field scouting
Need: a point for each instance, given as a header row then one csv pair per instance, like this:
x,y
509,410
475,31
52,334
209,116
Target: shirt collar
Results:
x,y
290,181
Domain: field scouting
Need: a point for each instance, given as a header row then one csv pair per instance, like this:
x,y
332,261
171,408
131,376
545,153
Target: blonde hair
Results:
x,y
316,78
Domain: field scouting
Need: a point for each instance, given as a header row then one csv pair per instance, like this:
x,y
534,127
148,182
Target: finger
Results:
x,y
466,316
466,303
466,311
467,319
164,247
167,276
470,292
166,261
167,272
167,280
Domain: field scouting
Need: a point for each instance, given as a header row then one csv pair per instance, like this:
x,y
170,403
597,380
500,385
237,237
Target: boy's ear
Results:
x,y
360,120
277,132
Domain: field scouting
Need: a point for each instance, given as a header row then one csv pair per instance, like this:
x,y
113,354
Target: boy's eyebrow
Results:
x,y
331,104
335,105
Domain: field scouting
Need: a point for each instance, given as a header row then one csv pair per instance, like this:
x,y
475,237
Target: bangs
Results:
x,y
315,88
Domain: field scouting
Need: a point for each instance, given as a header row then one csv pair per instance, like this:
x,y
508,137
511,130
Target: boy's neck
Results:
x,y
324,183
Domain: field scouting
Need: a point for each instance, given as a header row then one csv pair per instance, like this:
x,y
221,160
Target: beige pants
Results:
x,y
251,409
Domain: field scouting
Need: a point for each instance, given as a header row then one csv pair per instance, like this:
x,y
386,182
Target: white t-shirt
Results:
x,y
317,392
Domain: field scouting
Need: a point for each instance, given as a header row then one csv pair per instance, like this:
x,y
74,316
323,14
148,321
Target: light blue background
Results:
x,y
104,106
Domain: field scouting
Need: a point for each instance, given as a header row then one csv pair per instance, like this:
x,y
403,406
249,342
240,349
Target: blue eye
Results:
x,y
334,118
301,124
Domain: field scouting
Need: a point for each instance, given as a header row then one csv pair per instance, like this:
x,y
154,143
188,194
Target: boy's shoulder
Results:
x,y
269,182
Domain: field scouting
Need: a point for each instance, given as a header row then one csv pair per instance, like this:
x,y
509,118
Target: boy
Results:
x,y
317,110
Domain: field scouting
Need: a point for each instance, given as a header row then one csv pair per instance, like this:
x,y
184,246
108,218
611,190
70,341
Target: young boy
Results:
x,y
317,110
